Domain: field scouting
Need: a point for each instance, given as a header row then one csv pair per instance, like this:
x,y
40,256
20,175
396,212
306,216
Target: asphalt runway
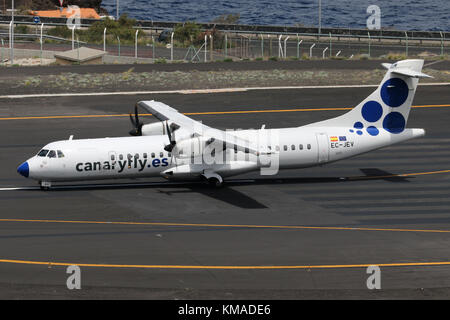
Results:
x,y
304,234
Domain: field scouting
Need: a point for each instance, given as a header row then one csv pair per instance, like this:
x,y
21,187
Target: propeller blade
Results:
x,y
137,126
136,113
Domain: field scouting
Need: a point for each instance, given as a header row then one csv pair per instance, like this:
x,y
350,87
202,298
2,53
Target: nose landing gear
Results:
x,y
45,185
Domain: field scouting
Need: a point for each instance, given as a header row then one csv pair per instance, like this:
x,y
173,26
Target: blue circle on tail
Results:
x,y
373,131
394,122
394,92
372,111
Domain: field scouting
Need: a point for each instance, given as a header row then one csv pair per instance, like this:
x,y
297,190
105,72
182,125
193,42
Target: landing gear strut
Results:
x,y
213,179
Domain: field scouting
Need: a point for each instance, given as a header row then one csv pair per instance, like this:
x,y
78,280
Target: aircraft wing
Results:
x,y
164,112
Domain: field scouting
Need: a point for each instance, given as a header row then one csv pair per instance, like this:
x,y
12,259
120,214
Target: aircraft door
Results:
x,y
112,158
322,147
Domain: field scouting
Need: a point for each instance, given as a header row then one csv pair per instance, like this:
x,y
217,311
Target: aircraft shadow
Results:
x,y
229,195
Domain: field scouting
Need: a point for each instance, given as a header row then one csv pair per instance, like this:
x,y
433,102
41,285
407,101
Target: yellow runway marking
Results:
x,y
399,175
200,225
269,267
204,113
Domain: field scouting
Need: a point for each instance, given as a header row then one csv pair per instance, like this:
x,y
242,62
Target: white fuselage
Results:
x,y
144,156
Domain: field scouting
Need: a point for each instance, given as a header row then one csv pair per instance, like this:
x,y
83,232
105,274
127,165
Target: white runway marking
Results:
x,y
196,91
18,188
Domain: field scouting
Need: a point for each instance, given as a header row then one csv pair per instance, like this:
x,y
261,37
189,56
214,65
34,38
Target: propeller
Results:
x,y
171,134
137,126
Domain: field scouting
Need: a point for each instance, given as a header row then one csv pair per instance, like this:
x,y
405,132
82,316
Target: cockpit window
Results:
x,y
42,153
52,154
60,154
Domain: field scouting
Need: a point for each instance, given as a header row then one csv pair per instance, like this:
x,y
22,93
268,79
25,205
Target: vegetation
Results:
x,y
122,28
187,33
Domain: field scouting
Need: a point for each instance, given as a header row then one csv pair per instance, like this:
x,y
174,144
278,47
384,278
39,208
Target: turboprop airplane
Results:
x,y
178,147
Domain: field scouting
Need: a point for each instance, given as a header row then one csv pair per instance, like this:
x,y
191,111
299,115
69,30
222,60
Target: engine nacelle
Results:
x,y
154,129
160,128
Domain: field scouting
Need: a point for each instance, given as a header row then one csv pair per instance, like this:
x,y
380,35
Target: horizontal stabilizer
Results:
x,y
405,71
411,73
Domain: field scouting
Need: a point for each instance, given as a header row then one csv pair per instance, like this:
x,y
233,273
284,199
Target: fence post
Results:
x,y
11,36
323,52
153,48
298,48
118,40
78,50
285,48
73,37
171,46
331,45
442,44
42,27
211,47
280,48
270,45
406,34
310,50
206,48
3,44
226,46
11,40
368,33
135,44
262,46
104,40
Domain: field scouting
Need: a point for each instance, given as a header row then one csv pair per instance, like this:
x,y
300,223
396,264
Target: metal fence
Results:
x,y
228,45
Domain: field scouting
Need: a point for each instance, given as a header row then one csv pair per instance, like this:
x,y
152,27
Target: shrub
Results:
x,y
187,32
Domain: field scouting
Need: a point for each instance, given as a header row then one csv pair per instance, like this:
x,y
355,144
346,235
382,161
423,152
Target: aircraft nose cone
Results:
x,y
24,169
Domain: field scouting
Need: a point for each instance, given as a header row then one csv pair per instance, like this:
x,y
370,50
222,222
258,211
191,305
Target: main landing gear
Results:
x,y
213,179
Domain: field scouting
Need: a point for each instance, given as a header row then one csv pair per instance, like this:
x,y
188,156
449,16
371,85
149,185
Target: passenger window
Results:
x,y
52,154
121,156
300,147
113,157
293,147
161,154
153,154
136,156
169,154
145,155
285,148
60,154
42,153
309,146
277,148
129,156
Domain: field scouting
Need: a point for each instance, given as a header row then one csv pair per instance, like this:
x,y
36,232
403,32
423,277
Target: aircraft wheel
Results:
x,y
215,182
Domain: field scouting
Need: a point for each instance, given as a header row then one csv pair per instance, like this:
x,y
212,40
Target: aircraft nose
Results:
x,y
24,169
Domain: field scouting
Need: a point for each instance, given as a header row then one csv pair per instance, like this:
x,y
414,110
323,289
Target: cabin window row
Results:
x,y
137,156
293,147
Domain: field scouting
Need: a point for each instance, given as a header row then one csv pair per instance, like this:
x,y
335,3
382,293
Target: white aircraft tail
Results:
x,y
387,108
